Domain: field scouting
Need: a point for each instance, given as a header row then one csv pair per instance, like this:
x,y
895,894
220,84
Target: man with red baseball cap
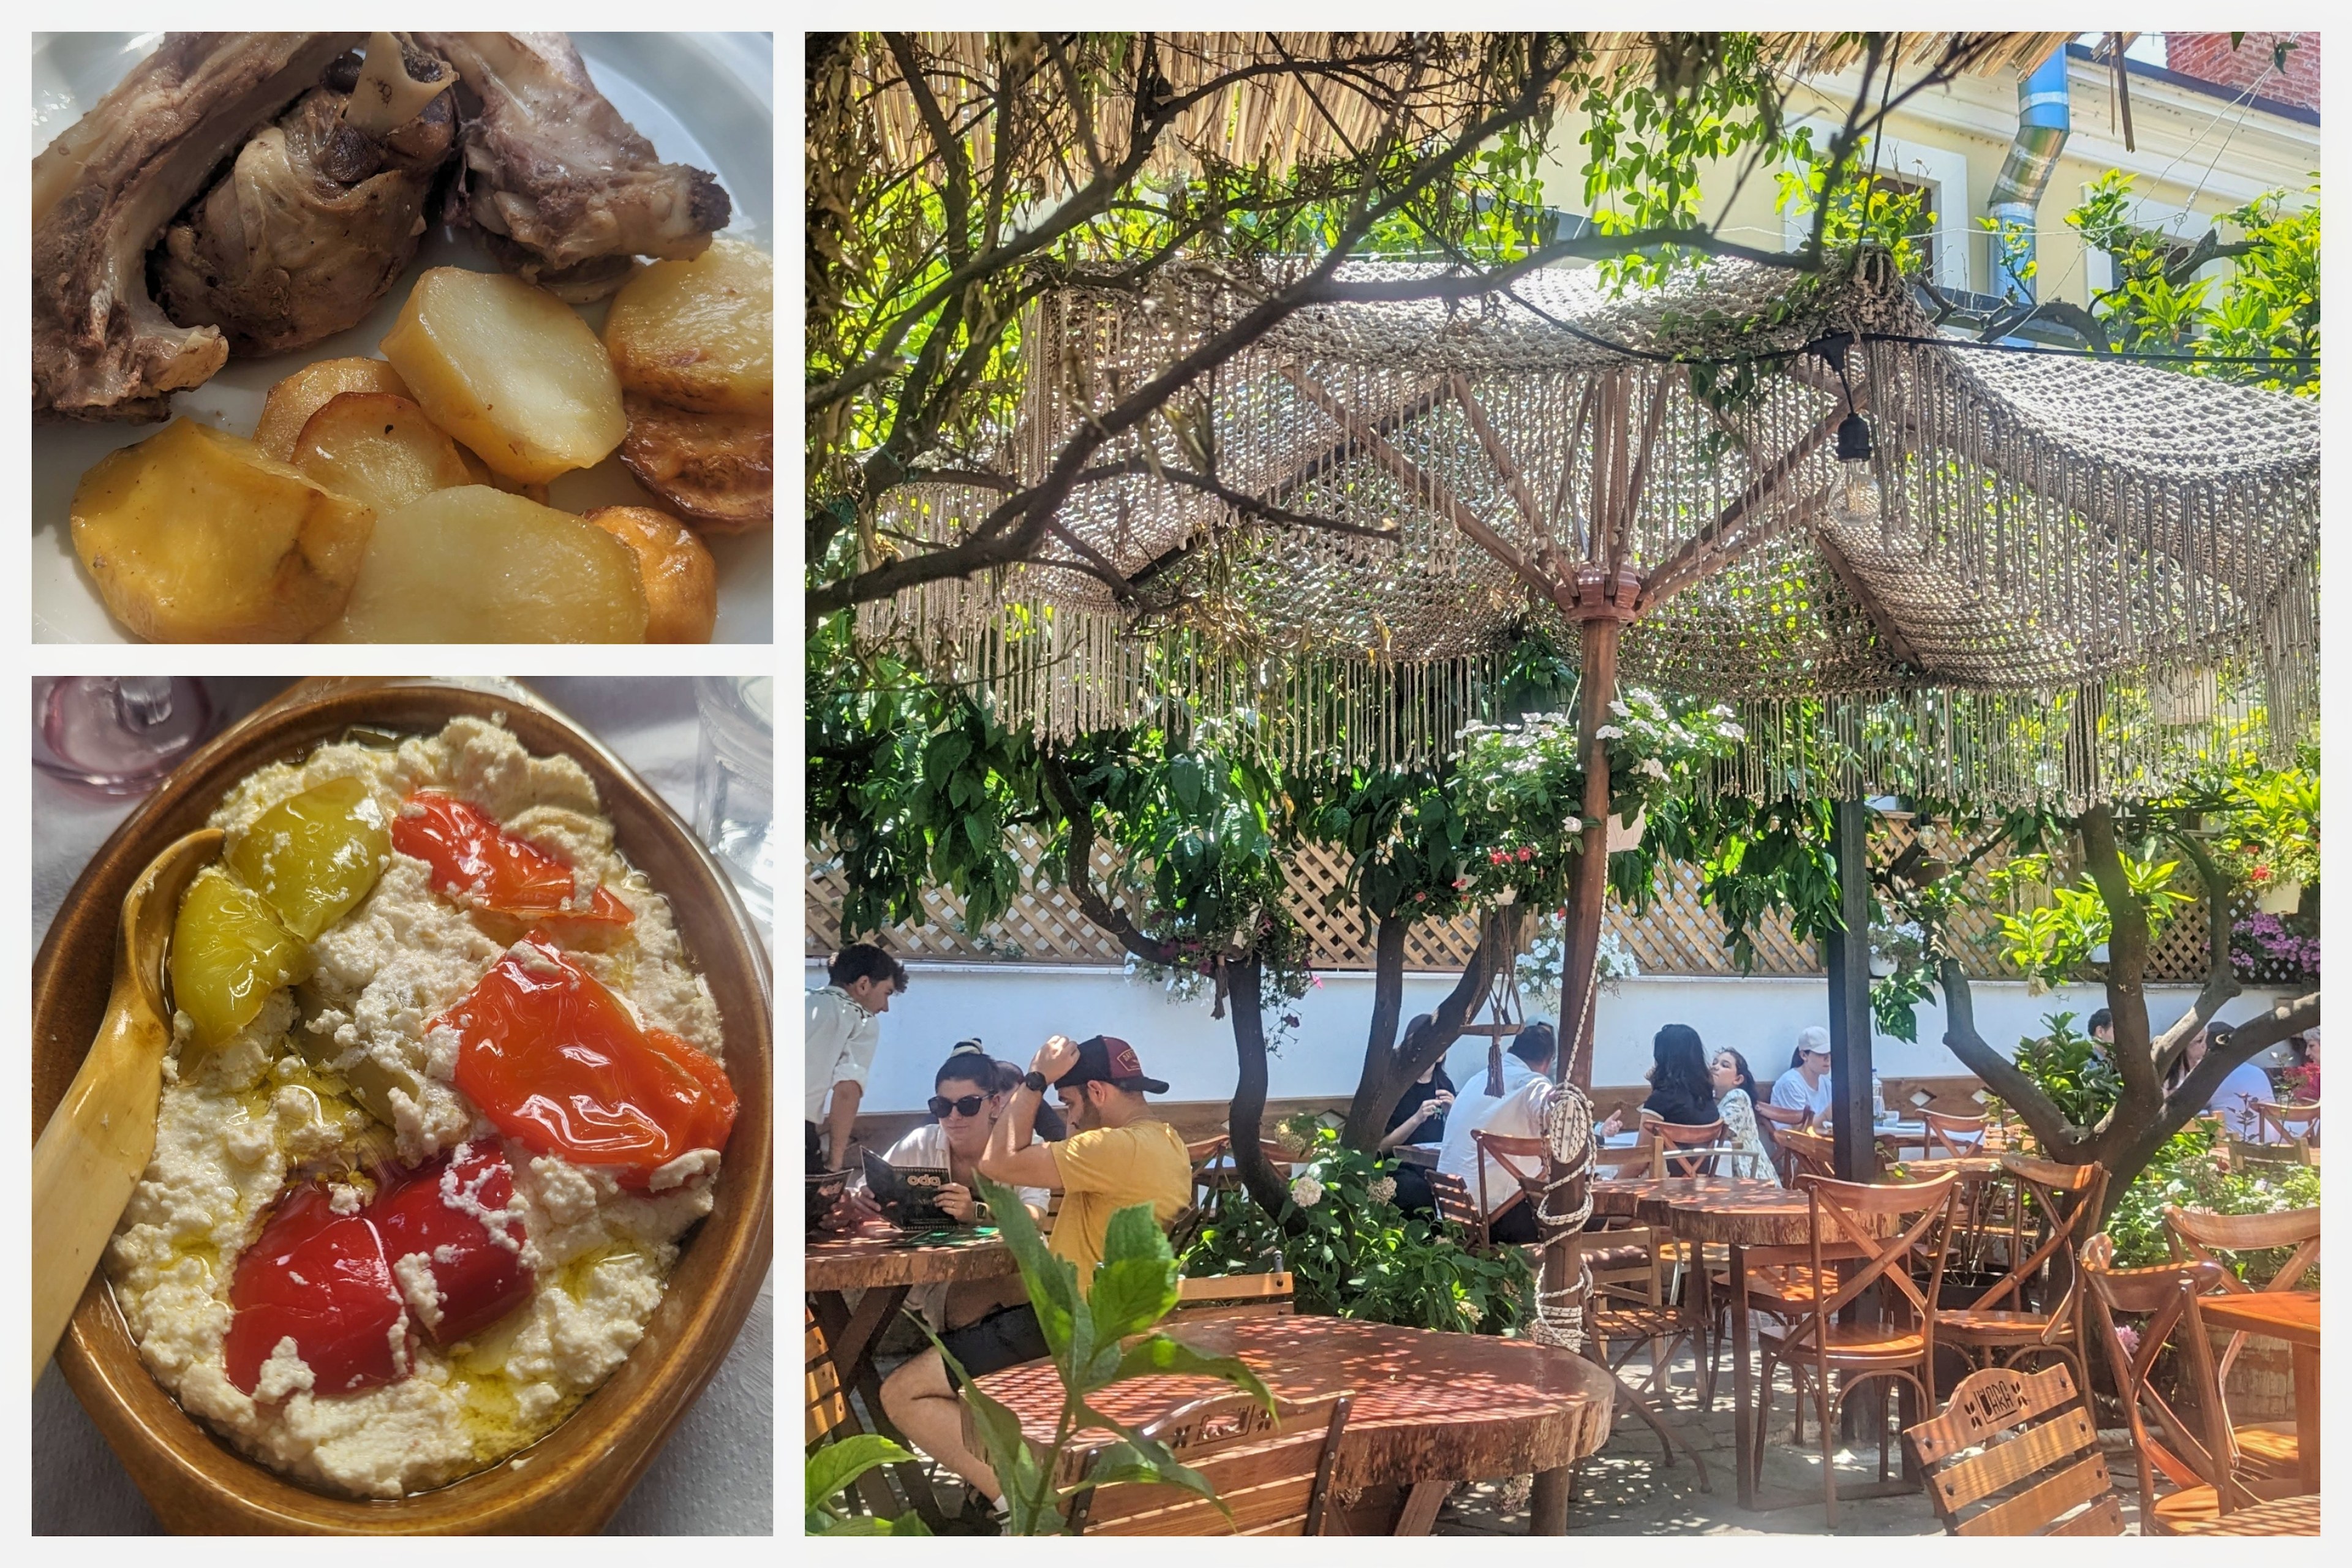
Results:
x,y
1117,1155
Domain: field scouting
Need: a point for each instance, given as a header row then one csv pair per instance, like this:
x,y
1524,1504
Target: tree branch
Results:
x,y
1078,867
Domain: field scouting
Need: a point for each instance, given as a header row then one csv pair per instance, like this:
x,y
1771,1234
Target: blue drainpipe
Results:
x,y
2042,123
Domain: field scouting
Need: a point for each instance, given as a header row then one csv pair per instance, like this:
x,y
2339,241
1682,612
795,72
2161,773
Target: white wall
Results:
x,y
1014,1006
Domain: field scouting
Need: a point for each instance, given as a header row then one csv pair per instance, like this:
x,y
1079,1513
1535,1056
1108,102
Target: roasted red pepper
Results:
x,y
476,862
451,1209
321,1278
557,1063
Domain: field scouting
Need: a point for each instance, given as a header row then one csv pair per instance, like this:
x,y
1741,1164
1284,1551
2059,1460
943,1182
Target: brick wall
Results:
x,y
2209,57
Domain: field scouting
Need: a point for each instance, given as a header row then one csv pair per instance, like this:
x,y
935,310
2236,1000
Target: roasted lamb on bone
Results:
x,y
323,211
563,189
102,349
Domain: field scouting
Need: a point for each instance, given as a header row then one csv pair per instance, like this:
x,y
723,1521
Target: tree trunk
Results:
x,y
1390,1070
1589,881
2145,1116
1245,1118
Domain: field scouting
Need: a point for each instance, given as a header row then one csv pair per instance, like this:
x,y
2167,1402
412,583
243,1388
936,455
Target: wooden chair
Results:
x,y
827,1407
1953,1137
1771,1119
1810,1154
1457,1206
2294,1121
1184,1228
1999,1322
1275,1476
1636,1159
1845,1218
2195,1455
1200,1299
2270,1448
1685,1150
1526,1159
2017,1454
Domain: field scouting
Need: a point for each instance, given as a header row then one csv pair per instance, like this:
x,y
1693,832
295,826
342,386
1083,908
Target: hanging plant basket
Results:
x,y
1881,967
1625,835
2281,898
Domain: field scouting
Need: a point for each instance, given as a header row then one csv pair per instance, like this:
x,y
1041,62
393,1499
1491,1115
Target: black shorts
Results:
x,y
1007,1337
1517,1228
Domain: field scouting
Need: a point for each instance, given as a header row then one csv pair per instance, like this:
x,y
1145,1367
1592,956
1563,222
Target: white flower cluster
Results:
x,y
1305,1192
1383,1190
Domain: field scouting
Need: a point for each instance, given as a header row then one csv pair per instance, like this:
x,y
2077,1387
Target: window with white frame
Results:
x,y
1941,178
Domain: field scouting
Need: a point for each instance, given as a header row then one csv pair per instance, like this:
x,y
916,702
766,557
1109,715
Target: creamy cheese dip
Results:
x,y
237,1118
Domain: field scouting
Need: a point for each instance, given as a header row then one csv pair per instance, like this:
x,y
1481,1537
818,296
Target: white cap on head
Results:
x,y
1814,1038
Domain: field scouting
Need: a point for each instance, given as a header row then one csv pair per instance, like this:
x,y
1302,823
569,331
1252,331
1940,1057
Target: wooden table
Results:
x,y
1431,1409
2292,1316
2288,1516
884,1270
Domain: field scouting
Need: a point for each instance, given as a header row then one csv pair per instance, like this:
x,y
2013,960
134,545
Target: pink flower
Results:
x,y
1420,897
1527,854
2130,1338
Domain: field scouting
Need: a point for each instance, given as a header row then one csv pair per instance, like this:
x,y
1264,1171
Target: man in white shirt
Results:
x,y
844,1027
1519,1113
1806,1086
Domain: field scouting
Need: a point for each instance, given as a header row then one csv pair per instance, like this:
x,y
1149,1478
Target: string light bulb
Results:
x,y
1858,494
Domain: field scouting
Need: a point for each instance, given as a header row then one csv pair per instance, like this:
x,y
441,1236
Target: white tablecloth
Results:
x,y
717,1474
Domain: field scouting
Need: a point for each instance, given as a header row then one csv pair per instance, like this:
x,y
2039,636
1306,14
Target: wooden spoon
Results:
x,y
102,1133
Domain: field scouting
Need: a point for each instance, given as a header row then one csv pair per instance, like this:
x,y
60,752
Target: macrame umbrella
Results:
x,y
1674,481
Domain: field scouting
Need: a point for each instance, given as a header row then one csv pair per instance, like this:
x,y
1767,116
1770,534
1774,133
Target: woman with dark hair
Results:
x,y
1736,1107
1050,1127
1419,1114
1681,1090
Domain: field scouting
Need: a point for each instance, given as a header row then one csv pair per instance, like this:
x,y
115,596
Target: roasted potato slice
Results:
x,y
474,564
195,535
681,581
718,469
509,370
483,474
378,449
292,401
701,334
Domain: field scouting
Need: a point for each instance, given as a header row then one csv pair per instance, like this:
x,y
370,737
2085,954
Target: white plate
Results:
x,y
703,99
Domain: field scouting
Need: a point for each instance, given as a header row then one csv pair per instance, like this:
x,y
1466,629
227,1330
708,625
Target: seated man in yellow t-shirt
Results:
x,y
1117,1155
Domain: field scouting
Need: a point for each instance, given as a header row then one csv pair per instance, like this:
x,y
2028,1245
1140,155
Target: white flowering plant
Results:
x,y
1520,786
1539,967
1354,1253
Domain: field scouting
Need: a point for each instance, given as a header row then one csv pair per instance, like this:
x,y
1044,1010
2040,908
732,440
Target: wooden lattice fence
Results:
x,y
1679,934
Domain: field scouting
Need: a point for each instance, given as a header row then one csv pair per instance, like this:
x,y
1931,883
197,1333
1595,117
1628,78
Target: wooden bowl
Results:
x,y
579,1473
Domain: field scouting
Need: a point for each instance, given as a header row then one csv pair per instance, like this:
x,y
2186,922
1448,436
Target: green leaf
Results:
x,y
1160,1356
1052,1282
834,1468
1136,1286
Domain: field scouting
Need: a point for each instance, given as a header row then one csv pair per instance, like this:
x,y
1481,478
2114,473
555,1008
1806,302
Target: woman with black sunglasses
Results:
x,y
964,1106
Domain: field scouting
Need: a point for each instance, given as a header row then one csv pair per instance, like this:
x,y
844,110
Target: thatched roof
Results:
x,y
2060,539
1272,121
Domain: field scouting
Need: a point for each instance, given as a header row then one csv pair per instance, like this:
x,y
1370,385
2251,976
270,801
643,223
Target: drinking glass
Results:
x,y
735,783
117,734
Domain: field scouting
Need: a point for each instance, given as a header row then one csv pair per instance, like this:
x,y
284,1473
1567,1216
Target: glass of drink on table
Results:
x,y
735,783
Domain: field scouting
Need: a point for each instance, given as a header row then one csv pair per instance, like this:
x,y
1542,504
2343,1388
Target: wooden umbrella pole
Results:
x,y
1601,604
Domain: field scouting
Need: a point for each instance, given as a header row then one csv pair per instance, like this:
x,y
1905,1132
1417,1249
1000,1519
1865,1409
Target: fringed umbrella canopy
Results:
x,y
1338,103
2081,570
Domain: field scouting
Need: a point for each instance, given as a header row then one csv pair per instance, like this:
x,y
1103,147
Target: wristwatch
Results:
x,y
1035,1082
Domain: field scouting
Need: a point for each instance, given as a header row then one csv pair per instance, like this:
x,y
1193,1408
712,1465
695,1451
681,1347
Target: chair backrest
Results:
x,y
1184,1228
1848,1220
1454,1205
2068,1198
1274,1482
826,1407
2294,1121
1526,1159
2016,1453
2183,1450
1636,1159
1953,1136
1674,1135
1202,1297
2197,1235
1810,1154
